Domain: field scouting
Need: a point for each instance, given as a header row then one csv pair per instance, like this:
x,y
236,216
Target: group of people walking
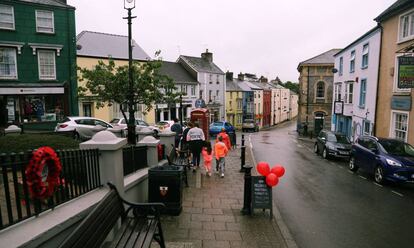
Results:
x,y
192,138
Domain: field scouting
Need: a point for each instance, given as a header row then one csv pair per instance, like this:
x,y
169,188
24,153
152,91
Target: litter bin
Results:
x,y
165,184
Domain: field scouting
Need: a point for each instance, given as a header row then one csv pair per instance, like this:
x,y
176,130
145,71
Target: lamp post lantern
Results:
x,y
129,5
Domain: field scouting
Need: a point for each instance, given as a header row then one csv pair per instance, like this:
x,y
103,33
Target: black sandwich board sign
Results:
x,y
261,194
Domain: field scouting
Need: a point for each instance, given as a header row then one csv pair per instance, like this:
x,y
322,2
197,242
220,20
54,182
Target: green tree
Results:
x,y
109,84
292,86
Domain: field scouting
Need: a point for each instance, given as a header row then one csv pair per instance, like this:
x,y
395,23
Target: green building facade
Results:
x,y
37,62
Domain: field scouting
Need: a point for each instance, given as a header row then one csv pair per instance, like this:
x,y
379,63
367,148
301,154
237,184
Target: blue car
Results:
x,y
216,127
386,159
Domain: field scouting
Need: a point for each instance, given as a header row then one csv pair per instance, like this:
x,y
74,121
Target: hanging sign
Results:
x,y
405,72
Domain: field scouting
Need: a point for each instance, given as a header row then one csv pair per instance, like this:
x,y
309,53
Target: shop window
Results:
x,y
8,65
6,17
47,64
42,108
45,21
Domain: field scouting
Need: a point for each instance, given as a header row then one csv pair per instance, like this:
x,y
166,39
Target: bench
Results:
x,y
178,157
137,230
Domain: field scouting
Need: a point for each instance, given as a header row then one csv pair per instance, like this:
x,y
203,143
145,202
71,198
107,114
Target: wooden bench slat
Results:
x,y
121,232
152,226
129,231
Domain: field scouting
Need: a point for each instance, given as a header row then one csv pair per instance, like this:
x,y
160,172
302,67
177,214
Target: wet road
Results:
x,y
325,205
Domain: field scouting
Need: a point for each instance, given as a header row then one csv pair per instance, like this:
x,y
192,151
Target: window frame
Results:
x,y
341,66
52,21
362,94
365,54
352,61
193,90
15,63
43,77
364,125
13,19
410,28
317,90
392,124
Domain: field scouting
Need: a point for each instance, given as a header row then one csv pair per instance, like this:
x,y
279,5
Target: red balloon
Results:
x,y
263,168
272,180
278,170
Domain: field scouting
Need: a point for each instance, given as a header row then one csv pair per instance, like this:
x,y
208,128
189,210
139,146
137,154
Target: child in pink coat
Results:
x,y
207,153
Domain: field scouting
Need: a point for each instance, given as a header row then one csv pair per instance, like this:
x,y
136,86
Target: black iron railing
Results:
x,y
134,158
80,174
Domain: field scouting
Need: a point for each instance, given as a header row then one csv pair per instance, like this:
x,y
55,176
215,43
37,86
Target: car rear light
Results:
x,y
63,125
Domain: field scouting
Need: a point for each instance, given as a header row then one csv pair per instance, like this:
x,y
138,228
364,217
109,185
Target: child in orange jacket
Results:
x,y
207,153
226,138
220,151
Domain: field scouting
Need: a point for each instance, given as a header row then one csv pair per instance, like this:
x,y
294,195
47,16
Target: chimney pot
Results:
x,y
207,56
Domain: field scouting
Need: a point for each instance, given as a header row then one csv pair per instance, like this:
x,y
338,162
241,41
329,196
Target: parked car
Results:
x,y
83,128
122,123
386,159
164,125
250,124
216,127
332,144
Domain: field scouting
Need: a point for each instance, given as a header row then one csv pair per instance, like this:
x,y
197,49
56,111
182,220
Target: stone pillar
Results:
x,y
143,133
110,161
152,153
167,138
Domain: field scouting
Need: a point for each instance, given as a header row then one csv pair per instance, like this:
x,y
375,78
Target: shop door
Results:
x,y
319,120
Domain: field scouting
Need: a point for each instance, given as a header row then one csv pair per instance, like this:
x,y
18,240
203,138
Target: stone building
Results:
x,y
315,92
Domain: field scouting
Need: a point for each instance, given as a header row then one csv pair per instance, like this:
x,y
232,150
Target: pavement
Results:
x,y
211,214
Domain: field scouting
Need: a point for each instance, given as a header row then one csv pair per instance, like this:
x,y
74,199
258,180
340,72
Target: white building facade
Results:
x,y
355,86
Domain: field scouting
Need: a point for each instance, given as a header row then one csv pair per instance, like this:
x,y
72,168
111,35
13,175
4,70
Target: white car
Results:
x,y
122,123
164,125
83,128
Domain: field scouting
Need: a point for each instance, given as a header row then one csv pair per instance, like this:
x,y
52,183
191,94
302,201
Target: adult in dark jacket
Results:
x,y
178,129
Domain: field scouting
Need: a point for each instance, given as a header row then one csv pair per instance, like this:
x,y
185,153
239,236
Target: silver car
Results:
x,y
122,123
83,128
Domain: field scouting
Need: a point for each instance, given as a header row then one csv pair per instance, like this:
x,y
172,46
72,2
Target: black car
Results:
x,y
332,144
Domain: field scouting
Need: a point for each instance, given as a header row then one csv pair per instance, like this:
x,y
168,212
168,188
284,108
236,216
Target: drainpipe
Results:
x,y
378,79
307,99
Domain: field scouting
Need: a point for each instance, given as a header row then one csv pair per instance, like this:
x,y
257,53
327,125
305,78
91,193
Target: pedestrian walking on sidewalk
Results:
x,y
226,138
178,129
207,153
196,138
220,151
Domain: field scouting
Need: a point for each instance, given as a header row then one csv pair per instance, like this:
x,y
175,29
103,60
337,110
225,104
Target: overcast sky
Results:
x,y
265,37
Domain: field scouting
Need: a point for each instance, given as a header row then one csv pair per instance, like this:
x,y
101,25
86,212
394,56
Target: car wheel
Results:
x,y
325,153
352,166
379,174
315,149
76,136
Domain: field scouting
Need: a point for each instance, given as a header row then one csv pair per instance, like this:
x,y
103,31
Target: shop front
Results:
x,y
37,107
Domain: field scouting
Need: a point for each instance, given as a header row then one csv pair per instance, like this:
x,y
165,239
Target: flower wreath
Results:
x,y
43,156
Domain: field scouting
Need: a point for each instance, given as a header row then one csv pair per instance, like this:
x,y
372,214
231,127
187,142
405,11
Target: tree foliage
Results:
x,y
109,84
292,86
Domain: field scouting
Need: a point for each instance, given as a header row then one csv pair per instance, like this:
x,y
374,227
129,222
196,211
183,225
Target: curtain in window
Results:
x,y
8,63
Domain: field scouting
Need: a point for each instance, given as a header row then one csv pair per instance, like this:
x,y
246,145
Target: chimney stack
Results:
x,y
240,76
207,56
229,75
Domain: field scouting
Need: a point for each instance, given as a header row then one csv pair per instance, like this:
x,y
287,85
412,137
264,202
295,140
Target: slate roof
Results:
x,y
243,85
177,72
324,58
201,65
231,85
397,7
48,2
102,45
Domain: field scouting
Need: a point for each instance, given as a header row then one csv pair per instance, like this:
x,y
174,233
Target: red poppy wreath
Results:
x,y
39,188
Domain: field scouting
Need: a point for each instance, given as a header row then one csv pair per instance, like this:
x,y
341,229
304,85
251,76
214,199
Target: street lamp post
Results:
x,y
129,5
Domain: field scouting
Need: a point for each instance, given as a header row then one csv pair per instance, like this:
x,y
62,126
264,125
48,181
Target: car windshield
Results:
x,y
218,124
397,148
114,121
338,138
162,123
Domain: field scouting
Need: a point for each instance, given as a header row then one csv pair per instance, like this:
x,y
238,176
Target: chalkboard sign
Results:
x,y
261,194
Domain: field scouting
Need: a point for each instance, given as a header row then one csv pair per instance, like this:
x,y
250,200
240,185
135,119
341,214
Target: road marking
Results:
x,y
362,177
340,167
351,172
379,185
395,192
299,145
295,141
